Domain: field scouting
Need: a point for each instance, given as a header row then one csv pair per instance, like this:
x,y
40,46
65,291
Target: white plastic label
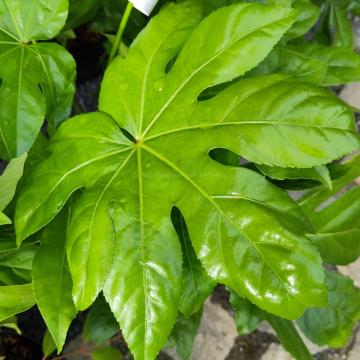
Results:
x,y
145,6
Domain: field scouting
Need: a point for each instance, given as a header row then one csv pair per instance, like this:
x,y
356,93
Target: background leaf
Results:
x,y
335,215
100,324
333,325
15,299
183,334
106,353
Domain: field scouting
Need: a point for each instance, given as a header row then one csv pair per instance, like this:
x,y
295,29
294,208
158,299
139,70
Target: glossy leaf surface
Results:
x,y
333,325
248,234
52,280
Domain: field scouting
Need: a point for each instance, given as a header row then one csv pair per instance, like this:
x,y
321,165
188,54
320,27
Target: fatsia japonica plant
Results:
x,y
141,208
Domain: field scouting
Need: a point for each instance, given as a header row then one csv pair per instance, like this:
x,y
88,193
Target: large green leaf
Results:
x,y
333,325
335,215
15,299
8,183
37,78
50,267
247,233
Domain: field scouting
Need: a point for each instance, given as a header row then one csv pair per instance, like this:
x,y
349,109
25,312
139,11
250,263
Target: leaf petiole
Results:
x,y
120,32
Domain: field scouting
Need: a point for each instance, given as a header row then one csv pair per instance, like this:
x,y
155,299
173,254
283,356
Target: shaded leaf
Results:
x,y
48,344
184,332
100,324
106,353
247,315
333,325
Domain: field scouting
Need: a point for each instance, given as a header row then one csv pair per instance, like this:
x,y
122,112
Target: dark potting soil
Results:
x,y
26,346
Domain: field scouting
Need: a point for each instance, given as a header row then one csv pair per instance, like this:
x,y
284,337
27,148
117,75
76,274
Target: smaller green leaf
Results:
x,y
335,215
247,315
333,325
340,25
308,15
21,258
55,301
15,299
9,180
106,353
48,344
100,324
318,173
184,332
11,324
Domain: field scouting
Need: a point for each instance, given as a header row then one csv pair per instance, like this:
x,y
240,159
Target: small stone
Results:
x,y
216,334
353,271
276,352
351,94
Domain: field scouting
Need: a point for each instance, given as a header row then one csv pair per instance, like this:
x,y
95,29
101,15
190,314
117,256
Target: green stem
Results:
x,y
120,32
